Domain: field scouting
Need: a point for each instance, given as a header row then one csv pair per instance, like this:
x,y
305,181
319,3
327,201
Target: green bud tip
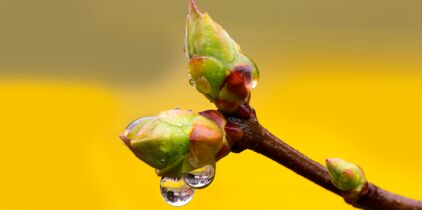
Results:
x,y
218,68
176,141
344,175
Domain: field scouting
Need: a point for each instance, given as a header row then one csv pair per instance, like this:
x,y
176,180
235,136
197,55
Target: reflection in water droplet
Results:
x,y
175,191
254,83
201,177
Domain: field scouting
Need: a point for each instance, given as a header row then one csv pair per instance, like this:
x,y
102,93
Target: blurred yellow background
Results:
x,y
338,79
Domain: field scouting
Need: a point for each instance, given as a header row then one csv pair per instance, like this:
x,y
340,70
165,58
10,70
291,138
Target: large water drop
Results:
x,y
175,191
201,177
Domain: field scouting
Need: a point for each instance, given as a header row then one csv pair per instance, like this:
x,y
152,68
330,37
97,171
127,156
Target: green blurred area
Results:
x,y
130,42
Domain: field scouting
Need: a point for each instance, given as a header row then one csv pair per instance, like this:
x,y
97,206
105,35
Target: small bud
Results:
x,y
217,66
345,176
175,141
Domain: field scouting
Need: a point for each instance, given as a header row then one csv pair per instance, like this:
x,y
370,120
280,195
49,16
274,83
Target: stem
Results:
x,y
260,140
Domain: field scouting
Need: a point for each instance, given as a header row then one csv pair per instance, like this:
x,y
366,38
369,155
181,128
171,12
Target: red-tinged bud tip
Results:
x,y
125,140
193,8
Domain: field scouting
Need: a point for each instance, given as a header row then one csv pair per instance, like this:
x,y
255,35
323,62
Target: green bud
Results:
x,y
217,66
204,37
175,141
344,175
208,75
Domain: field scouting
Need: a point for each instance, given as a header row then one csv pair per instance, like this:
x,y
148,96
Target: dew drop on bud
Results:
x,y
191,82
175,191
135,123
201,177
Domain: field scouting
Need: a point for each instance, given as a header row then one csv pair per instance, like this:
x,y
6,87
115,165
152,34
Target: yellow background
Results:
x,y
338,79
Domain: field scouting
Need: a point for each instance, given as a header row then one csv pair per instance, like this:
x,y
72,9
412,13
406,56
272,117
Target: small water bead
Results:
x,y
201,177
175,191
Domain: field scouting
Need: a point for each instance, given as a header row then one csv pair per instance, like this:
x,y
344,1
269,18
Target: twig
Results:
x,y
259,139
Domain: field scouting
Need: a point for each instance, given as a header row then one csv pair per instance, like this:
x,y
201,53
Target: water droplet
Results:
x,y
254,83
137,124
191,82
175,191
201,177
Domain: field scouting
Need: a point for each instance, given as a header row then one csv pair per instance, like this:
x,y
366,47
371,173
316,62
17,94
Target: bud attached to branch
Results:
x,y
177,141
217,67
346,176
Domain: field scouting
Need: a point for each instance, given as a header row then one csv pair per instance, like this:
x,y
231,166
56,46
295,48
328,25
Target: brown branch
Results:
x,y
258,139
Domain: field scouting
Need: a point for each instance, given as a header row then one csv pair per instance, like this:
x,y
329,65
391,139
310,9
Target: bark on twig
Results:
x,y
260,140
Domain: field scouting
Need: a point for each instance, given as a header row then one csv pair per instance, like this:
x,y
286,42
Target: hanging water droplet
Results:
x,y
175,191
201,177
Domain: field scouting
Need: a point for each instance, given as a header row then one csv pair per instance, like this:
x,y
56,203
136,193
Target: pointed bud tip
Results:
x,y
125,140
193,8
336,165
331,162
